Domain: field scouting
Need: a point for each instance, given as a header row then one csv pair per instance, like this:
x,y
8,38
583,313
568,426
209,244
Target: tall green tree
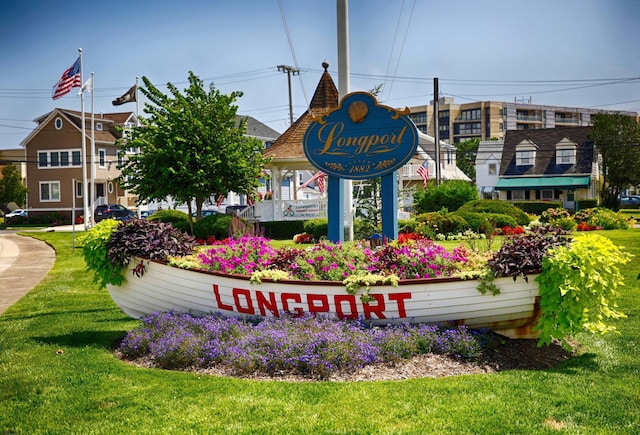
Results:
x,y
466,156
617,139
191,147
11,187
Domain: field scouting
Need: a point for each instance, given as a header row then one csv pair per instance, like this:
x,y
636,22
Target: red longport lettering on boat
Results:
x,y
256,302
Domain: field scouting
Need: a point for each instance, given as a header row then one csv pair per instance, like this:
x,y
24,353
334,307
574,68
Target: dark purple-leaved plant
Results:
x,y
149,239
522,254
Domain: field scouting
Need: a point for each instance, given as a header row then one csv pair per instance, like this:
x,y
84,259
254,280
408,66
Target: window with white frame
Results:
x,y
59,159
99,126
78,189
524,158
102,155
546,195
493,168
526,153
49,191
517,195
566,152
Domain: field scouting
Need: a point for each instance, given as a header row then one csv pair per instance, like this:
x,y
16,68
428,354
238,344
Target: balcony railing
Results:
x,y
529,118
567,121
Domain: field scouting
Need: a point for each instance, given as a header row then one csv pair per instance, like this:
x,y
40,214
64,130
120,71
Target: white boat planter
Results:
x,y
450,301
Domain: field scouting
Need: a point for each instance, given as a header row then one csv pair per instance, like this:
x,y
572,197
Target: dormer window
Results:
x,y
566,152
526,153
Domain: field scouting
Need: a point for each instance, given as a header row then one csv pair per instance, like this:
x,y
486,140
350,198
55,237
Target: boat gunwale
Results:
x,y
401,282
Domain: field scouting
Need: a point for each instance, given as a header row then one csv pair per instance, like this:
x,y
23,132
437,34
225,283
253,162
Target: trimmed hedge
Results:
x,y
537,207
583,204
169,216
498,207
319,227
282,229
216,225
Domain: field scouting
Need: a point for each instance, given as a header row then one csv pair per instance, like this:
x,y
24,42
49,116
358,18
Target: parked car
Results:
x,y
630,201
207,213
115,211
235,210
17,213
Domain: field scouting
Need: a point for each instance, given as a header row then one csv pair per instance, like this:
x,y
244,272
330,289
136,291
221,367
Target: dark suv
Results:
x,y
115,211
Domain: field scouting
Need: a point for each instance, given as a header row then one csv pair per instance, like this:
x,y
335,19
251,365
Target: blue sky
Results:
x,y
480,50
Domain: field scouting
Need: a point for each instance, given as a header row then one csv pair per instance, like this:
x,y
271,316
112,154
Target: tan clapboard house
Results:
x,y
53,152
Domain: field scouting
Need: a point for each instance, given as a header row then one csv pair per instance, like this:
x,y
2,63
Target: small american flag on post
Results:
x,y
70,79
423,171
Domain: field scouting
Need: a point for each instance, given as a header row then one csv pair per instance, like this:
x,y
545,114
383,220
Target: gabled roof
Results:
x,y
489,150
257,129
289,145
108,134
545,160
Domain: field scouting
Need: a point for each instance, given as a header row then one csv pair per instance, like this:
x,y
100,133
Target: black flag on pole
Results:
x,y
128,97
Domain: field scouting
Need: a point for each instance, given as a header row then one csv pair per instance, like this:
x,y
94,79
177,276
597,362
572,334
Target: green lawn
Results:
x,y
58,376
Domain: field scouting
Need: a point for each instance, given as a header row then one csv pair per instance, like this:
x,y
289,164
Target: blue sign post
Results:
x,y
361,140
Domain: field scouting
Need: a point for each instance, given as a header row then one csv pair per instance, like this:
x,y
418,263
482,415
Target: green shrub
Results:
x,y
537,207
553,214
441,222
586,203
476,222
319,227
282,229
602,217
363,229
497,206
169,216
407,225
499,220
450,194
566,223
215,225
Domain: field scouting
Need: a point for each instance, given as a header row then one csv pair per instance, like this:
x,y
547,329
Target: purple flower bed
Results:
x,y
313,347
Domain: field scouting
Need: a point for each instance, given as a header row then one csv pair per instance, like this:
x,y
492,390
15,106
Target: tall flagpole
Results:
x,y
343,89
93,155
85,194
137,105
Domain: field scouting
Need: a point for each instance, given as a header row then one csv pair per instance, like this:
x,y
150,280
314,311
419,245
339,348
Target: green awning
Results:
x,y
537,183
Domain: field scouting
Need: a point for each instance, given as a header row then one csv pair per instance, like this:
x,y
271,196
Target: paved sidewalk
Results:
x,y
24,261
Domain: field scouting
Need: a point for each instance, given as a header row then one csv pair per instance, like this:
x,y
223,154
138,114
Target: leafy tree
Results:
x,y
617,139
11,187
191,147
450,195
466,156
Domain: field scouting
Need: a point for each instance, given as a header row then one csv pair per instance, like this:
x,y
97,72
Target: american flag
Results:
x,y
70,79
319,177
423,171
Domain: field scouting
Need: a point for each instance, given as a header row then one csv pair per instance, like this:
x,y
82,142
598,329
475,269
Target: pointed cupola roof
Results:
x,y
289,145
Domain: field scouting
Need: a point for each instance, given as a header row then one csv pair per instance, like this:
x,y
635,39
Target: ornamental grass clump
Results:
x,y
312,347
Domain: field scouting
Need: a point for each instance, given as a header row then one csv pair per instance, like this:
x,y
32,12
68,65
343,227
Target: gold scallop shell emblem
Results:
x,y
358,111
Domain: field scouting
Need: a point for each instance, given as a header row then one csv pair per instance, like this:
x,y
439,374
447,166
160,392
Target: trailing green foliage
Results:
x,y
496,206
108,247
523,254
95,250
578,288
450,194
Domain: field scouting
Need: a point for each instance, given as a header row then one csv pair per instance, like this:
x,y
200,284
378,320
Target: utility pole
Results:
x,y
289,70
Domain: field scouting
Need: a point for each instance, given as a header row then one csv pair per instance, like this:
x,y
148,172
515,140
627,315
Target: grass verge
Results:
x,y
58,375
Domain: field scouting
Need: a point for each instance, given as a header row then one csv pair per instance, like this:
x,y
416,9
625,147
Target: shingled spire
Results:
x,y
289,144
